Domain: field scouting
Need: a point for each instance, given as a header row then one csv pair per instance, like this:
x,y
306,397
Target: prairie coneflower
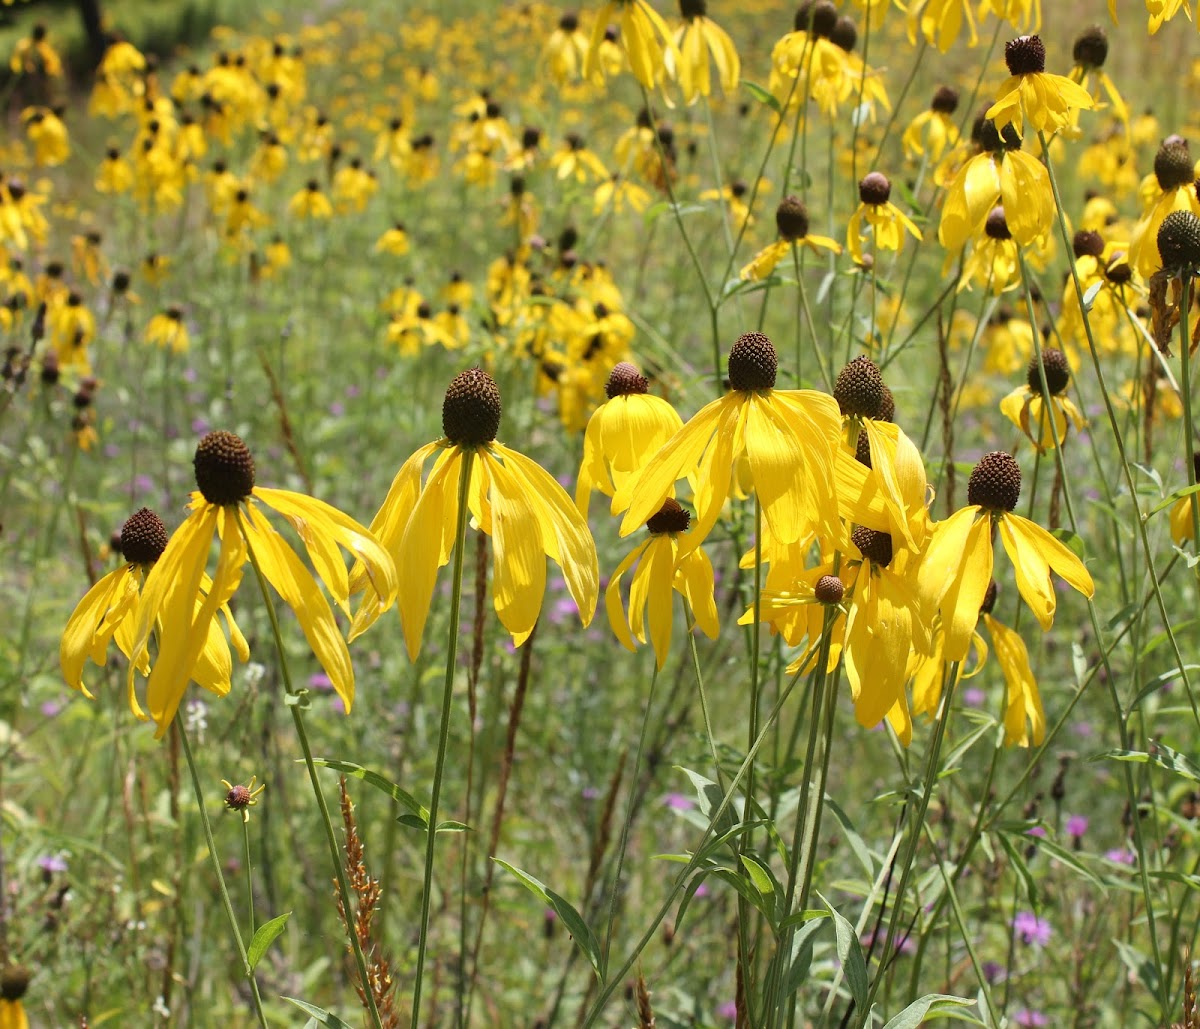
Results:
x,y
565,50
514,500
645,39
940,22
895,463
933,130
622,434
994,262
662,568
168,330
224,504
14,982
1090,52
1182,527
791,218
887,222
108,612
697,38
1030,93
310,202
788,438
1026,407
1174,175
1000,172
957,565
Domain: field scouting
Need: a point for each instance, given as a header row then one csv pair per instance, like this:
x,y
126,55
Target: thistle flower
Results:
x,y
513,499
224,504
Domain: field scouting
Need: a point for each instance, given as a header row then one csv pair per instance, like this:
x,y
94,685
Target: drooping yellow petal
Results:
x,y
778,467
612,598
694,579
643,494
956,570
94,621
1034,553
299,591
564,532
433,520
519,576
1024,717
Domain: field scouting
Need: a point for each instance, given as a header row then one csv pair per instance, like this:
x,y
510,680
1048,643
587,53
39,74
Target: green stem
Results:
x,y
1185,346
249,870
226,903
295,701
460,531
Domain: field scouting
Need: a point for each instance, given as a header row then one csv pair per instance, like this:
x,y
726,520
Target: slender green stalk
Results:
x,y
249,870
460,531
226,903
294,702
928,782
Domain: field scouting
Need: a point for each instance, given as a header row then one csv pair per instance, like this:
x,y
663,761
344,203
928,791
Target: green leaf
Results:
x,y
585,939
1017,858
1064,856
264,936
319,1015
380,782
763,96
802,947
747,891
709,797
932,1005
849,952
760,875
1171,499
1167,759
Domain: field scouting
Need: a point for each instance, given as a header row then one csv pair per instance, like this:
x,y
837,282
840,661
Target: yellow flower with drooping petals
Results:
x,y
663,567
514,500
791,218
623,434
957,565
108,612
697,38
168,330
645,39
224,505
886,221
933,130
1025,407
1046,101
788,438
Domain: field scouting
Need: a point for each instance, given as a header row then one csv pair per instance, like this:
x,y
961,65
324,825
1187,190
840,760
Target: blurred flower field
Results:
x,y
618,515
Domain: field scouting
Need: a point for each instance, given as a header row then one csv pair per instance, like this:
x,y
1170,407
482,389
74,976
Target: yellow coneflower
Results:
x,y
788,438
1046,101
663,567
791,219
957,566
576,161
14,983
887,222
34,55
394,241
114,175
1026,407
565,50
513,499
933,130
167,329
1000,172
108,612
645,39
48,135
223,505
623,434
940,22
697,38
310,202
994,262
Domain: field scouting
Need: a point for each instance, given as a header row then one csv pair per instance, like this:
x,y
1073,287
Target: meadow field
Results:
x,y
618,515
